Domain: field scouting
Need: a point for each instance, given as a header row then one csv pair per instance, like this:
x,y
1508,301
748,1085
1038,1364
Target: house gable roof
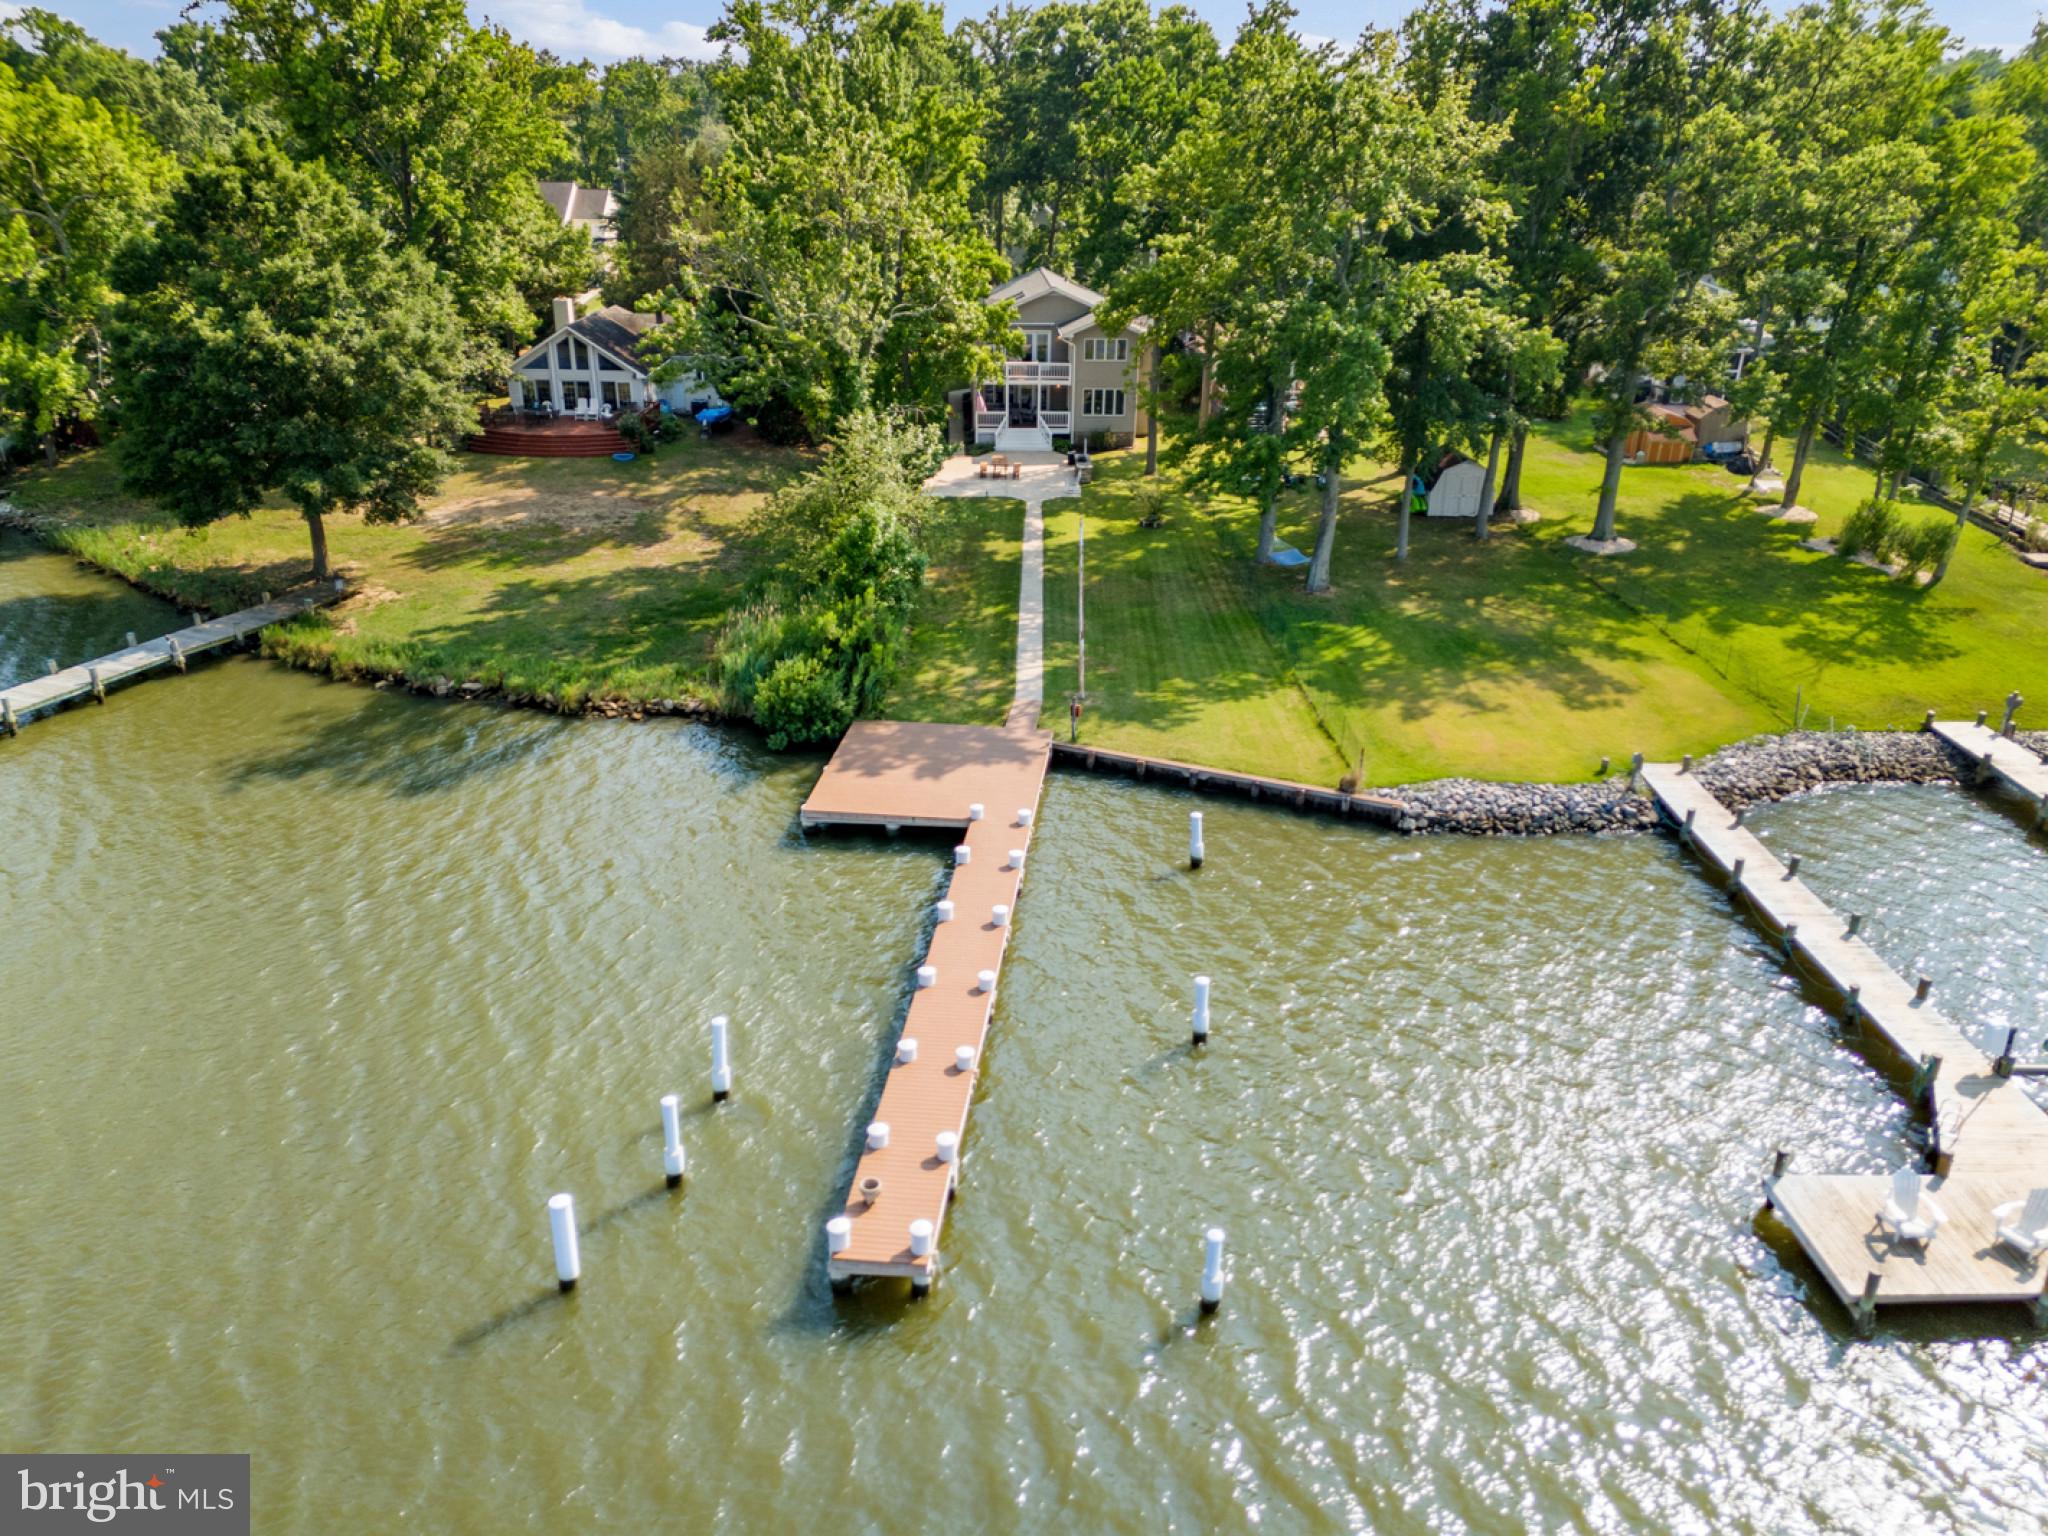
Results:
x,y
1040,281
614,330
1081,323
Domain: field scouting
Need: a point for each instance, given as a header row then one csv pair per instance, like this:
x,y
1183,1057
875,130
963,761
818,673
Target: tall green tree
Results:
x,y
1854,105
840,266
440,128
636,107
164,96
271,342
76,180
1223,199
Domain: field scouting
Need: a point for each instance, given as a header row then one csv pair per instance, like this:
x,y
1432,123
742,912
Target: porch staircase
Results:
x,y
1033,439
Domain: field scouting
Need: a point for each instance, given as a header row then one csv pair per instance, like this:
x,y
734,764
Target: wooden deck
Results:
x,y
1990,1140
905,775
95,677
1998,756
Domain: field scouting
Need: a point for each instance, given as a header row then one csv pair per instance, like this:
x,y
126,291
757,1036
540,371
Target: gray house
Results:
x,y
1070,379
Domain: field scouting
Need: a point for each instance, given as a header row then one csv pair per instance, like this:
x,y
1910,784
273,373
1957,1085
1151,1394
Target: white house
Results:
x,y
1456,490
594,364
1070,378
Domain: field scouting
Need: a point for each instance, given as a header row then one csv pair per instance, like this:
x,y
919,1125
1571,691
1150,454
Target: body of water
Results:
x,y
313,994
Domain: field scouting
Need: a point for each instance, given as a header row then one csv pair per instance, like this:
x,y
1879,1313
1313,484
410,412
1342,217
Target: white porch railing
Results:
x,y
1038,373
1056,421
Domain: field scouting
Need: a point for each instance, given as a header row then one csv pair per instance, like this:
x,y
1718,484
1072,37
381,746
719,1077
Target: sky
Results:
x,y
603,30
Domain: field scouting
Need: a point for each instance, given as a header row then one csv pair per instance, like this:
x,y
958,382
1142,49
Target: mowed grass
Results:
x,y
961,661
1518,657
559,580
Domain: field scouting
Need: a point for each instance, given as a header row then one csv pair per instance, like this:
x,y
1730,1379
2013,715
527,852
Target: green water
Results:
x,y
313,994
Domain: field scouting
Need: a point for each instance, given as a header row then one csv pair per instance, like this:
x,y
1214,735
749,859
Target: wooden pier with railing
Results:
x,y
894,775
92,679
1989,1138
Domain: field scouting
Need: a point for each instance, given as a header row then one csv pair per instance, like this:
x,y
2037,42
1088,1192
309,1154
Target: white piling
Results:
x,y
8,718
1201,1010
562,1223
920,1238
963,1059
985,981
962,853
131,639
999,915
672,1138
838,1235
945,911
1016,858
975,811
878,1135
1023,815
1194,839
927,975
949,1146
50,665
1212,1269
99,689
177,653
906,1050
721,1060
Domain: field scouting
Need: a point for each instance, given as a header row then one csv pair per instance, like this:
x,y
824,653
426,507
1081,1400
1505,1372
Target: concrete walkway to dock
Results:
x,y
1990,1139
93,678
894,774
2001,756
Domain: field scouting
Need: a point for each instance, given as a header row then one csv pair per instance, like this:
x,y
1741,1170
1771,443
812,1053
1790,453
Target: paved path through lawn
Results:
x,y
1042,477
1029,698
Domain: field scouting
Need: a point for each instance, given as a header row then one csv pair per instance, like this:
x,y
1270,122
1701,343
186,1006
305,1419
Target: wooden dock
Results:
x,y
1990,1140
904,775
93,678
2001,757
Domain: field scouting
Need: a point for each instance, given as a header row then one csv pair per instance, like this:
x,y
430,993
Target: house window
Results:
x,y
1106,349
607,364
575,394
1037,347
562,353
617,394
1102,402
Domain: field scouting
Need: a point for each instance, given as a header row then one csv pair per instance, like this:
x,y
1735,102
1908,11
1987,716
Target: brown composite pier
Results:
x,y
1990,1140
893,774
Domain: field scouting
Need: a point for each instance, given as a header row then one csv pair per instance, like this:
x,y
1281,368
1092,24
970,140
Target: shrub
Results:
x,y
1876,529
1927,545
803,699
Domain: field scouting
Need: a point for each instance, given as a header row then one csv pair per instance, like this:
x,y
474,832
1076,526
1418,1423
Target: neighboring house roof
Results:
x,y
1040,281
580,205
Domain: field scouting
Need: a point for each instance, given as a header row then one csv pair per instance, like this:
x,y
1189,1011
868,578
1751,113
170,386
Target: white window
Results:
x,y
1037,347
1106,349
617,394
1102,402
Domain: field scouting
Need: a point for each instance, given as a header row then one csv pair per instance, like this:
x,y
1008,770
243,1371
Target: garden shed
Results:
x,y
1455,487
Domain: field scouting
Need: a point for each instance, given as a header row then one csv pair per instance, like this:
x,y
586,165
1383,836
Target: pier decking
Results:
x,y
1990,1138
1996,754
96,676
905,775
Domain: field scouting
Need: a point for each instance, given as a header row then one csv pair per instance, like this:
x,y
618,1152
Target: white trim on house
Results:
x,y
1106,349
1103,403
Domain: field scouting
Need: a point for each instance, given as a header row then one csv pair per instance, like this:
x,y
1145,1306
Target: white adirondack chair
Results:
x,y
1910,1215
2023,1224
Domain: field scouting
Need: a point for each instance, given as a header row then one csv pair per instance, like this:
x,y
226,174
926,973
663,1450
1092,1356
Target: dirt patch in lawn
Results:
x,y
527,506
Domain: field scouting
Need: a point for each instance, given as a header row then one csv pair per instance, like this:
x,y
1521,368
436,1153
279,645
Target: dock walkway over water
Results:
x,y
893,774
2000,756
93,678
1990,1140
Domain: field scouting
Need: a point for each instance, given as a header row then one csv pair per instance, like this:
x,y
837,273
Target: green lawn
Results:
x,y
1519,657
961,663
561,579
